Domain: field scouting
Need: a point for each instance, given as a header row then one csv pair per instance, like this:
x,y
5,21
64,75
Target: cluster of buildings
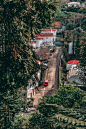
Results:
x,y
43,40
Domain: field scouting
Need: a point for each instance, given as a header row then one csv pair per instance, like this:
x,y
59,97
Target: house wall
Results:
x,y
70,50
38,43
73,74
73,3
33,45
47,41
75,78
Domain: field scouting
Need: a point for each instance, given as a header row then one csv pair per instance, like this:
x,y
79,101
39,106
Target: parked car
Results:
x,y
27,109
45,82
44,64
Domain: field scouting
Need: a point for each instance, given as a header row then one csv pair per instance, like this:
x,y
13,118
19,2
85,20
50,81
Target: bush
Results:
x,y
69,26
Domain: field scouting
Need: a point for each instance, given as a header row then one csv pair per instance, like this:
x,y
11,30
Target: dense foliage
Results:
x,y
64,110
20,21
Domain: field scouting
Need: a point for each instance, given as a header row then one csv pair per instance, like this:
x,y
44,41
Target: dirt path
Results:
x,y
51,74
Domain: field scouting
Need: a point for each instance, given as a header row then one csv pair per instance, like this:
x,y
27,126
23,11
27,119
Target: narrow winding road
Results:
x,y
52,73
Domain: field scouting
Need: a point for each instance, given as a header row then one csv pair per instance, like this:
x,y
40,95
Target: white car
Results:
x,y
44,64
27,109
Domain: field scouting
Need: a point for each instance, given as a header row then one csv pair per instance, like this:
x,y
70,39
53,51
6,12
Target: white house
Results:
x,y
70,49
73,3
70,63
50,31
38,41
73,74
47,38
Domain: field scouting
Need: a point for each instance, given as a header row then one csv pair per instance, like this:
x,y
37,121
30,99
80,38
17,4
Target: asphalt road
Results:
x,y
55,63
52,73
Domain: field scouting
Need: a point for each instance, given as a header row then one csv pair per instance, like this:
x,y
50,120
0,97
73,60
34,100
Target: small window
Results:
x,y
46,37
24,94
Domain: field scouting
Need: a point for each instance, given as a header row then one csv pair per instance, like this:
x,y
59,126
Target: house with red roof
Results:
x,y
72,62
50,31
47,38
57,25
38,41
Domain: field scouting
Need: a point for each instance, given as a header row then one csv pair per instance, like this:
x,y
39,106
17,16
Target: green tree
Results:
x,y
78,34
20,20
64,110
69,26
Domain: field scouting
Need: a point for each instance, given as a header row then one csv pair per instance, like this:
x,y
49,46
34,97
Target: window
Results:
x,y
46,37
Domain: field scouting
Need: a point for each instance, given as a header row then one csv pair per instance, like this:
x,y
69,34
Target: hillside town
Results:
x,y
43,64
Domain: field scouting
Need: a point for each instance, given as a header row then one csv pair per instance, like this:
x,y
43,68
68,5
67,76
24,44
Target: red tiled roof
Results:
x,y
52,24
48,29
46,34
37,35
53,29
38,39
56,24
73,61
32,42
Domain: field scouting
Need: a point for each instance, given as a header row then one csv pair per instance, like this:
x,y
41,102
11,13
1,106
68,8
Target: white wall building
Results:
x,y
38,41
73,3
50,31
70,63
47,38
70,49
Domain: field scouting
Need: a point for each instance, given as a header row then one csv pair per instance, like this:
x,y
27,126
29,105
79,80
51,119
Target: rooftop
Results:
x,y
38,39
74,3
48,29
57,25
73,61
45,35
32,42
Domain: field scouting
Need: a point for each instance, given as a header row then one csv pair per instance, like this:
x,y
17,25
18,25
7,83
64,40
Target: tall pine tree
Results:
x,y
20,20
